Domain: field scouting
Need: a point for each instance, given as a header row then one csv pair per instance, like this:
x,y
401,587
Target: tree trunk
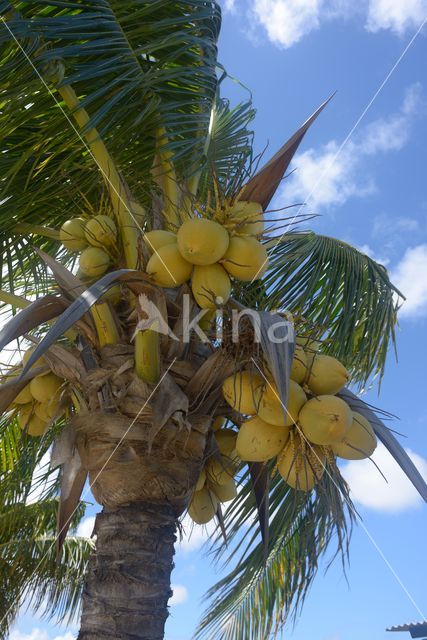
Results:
x,y
128,585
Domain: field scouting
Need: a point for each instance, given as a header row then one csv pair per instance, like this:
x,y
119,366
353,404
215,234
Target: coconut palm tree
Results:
x,y
118,153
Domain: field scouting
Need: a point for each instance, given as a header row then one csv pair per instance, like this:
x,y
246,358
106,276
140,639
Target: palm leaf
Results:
x,y
340,295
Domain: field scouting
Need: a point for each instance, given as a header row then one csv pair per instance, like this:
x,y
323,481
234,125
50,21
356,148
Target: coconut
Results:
x,y
211,286
246,259
168,268
271,409
245,218
72,234
38,363
101,231
30,422
201,480
46,411
326,375
218,423
224,492
114,295
219,470
258,441
301,465
203,506
24,396
359,442
299,365
158,238
325,419
45,388
94,262
242,391
226,441
202,241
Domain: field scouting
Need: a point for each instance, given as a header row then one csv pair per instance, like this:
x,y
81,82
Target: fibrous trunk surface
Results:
x,y
128,585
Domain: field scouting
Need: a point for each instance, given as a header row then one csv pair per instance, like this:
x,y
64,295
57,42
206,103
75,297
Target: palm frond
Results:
x,y
135,66
258,595
340,296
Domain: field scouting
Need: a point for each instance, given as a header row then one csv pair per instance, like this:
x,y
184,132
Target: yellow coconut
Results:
x,y
202,241
94,262
101,231
219,470
218,423
245,218
38,363
301,465
326,375
258,441
203,506
299,365
226,441
242,391
359,442
325,419
225,492
246,259
201,480
270,407
158,238
168,268
72,234
114,295
211,286
46,410
24,396
30,422
45,388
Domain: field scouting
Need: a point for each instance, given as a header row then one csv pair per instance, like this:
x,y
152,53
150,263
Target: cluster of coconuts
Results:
x,y
209,253
37,404
216,482
316,424
94,238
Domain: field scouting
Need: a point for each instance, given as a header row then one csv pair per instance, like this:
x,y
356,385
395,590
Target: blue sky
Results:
x,y
293,54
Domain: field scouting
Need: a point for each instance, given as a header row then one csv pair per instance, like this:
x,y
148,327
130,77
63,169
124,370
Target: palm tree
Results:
x,y
113,109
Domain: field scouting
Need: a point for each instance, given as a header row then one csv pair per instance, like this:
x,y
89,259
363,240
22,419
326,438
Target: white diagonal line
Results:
x,y
85,493
347,138
71,123
349,504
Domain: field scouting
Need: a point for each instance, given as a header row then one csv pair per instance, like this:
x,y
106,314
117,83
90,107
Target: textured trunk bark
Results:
x,y
128,585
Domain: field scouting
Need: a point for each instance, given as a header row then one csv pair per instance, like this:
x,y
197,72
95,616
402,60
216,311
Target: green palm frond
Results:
x,y
31,573
135,66
228,148
340,295
258,595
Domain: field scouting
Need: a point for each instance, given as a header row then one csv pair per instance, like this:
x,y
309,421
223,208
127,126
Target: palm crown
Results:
x,y
111,117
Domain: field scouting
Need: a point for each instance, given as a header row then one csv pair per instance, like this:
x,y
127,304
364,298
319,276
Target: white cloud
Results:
x,y
409,276
369,489
329,176
38,634
180,594
286,22
85,528
397,15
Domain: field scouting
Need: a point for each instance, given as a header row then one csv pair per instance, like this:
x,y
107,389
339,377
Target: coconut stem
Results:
x,y
117,189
